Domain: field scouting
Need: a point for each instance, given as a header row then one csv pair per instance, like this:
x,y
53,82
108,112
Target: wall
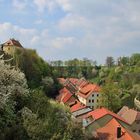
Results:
x,y
81,99
135,127
92,100
9,49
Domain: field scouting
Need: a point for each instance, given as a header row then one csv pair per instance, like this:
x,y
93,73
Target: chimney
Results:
x,y
119,132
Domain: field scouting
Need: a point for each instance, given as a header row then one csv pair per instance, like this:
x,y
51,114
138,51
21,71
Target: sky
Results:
x,y
67,29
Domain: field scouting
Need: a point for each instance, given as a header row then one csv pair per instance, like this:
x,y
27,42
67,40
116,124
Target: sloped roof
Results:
x,y
73,80
12,42
109,132
71,101
129,115
77,106
101,112
64,95
87,90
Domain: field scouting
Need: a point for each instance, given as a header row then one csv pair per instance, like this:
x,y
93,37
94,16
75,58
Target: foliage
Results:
x,y
51,86
32,65
110,97
43,115
13,91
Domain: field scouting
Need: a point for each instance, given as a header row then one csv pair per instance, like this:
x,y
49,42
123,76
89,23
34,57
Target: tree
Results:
x,y
135,59
110,97
34,67
47,119
13,91
109,61
124,60
51,86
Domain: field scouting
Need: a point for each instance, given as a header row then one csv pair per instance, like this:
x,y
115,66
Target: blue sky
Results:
x,y
66,29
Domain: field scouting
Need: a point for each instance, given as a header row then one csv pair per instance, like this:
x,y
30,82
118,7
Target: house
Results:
x,y
79,111
103,124
88,94
99,117
66,97
9,46
132,117
113,131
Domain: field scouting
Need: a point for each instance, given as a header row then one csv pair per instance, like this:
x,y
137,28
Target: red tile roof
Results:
x,y
109,132
73,80
88,89
129,115
71,101
64,95
77,106
12,42
99,113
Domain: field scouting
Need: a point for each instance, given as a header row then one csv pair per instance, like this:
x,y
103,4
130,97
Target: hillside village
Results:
x,y
82,98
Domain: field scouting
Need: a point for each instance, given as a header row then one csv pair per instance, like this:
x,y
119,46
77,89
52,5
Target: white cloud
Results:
x,y
64,4
12,31
71,22
43,4
61,42
40,21
19,5
81,28
52,4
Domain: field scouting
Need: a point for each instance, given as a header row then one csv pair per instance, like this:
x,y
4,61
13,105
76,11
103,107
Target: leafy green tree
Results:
x,y
47,119
135,59
32,65
110,97
51,86
109,61
13,91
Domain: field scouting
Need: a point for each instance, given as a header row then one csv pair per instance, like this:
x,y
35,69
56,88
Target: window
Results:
x,y
93,101
89,100
134,130
97,95
97,100
92,95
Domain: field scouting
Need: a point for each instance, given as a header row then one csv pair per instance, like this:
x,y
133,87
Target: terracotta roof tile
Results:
x,y
12,42
129,115
109,132
71,101
64,95
99,113
77,106
88,89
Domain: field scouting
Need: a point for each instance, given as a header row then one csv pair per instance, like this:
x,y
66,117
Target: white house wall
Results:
x,y
92,100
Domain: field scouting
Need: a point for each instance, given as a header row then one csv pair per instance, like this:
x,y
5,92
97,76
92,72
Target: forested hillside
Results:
x,y
28,83
26,112
119,79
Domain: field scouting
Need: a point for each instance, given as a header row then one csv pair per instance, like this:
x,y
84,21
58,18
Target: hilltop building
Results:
x,y
9,46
